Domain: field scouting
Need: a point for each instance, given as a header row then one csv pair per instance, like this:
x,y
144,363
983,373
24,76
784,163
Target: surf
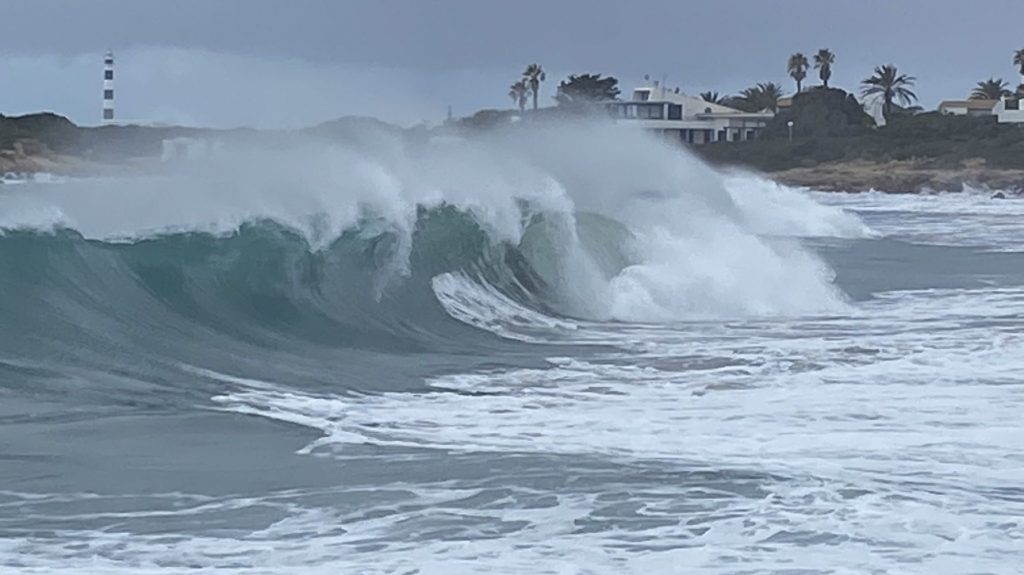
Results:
x,y
383,241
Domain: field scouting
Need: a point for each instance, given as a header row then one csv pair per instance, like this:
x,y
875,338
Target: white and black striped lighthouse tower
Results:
x,y
108,87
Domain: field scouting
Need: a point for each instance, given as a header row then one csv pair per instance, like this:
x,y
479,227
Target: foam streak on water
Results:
x,y
508,357
882,445
842,445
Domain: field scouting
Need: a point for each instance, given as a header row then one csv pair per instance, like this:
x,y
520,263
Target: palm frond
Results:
x,y
991,89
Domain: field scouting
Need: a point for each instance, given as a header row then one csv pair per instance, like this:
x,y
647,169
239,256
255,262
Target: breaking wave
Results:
x,y
387,241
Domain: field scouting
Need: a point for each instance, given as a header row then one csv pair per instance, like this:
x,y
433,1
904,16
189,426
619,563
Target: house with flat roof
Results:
x,y
188,147
1009,110
967,107
686,119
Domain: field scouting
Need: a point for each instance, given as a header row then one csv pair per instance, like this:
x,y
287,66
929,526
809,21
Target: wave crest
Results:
x,y
383,242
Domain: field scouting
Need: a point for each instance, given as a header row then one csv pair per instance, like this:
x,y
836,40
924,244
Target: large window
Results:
x,y
675,112
650,112
108,114
108,94
643,111
108,74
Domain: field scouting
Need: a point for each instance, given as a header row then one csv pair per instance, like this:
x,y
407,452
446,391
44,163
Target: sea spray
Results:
x,y
684,242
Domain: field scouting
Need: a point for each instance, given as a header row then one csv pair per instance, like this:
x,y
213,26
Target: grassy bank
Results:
x,y
929,140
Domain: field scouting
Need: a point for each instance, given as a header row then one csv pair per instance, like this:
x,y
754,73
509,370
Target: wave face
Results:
x,y
379,244
547,351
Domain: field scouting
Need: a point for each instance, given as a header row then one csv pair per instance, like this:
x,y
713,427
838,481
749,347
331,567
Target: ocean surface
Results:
x,y
565,354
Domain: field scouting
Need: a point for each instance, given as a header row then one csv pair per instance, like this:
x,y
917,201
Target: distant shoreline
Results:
x,y
47,143
897,177
900,177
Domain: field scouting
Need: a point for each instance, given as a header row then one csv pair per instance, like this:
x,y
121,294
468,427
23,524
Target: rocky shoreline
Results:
x,y
905,177
17,160
899,177
928,159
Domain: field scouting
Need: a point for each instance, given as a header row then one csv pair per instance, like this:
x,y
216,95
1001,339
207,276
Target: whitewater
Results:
x,y
572,349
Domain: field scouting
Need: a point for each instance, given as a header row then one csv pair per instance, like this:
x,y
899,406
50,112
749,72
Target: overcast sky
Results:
x,y
296,62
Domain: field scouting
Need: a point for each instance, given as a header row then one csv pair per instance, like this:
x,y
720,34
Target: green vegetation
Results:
x,y
991,89
889,85
931,139
711,97
484,120
828,125
48,135
823,62
587,89
763,96
797,69
56,133
519,92
534,75
820,112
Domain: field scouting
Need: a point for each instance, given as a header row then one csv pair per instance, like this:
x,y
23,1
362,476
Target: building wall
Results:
x,y
963,110
701,129
1011,117
1006,113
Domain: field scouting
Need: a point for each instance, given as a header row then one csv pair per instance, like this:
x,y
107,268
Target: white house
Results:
x,y
967,107
182,148
687,119
1010,110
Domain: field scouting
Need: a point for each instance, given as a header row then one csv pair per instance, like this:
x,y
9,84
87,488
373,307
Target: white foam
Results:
x,y
770,208
11,178
886,437
699,235
477,303
970,218
910,408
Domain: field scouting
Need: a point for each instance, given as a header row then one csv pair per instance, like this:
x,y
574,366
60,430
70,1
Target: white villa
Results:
x,y
184,148
967,107
1009,110
686,119
1006,110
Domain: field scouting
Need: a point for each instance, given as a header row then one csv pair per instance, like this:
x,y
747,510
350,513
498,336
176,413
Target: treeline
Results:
x,y
892,89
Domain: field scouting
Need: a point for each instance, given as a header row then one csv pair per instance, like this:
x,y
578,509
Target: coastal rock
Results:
x,y
899,177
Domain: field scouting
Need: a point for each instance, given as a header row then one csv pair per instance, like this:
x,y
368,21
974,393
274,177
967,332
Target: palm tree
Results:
x,y
991,89
763,96
1018,60
823,61
518,92
797,68
534,75
711,97
890,85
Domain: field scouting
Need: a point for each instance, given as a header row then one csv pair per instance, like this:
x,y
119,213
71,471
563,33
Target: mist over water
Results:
x,y
569,349
631,229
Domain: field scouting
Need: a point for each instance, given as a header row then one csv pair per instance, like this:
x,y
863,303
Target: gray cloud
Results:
x,y
259,62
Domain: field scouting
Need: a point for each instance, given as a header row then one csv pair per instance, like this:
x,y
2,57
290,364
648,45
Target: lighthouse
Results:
x,y
108,87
